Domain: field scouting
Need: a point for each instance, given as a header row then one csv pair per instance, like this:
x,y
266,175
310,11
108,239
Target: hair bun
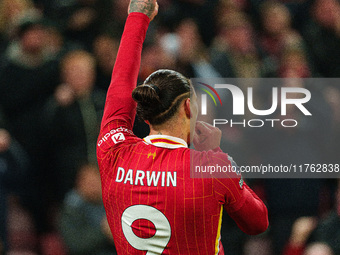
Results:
x,y
147,98
146,95
159,97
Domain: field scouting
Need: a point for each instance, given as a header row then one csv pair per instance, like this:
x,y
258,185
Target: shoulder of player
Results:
x,y
217,165
115,133
207,157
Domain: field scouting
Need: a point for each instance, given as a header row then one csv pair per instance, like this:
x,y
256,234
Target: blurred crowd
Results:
x,y
56,59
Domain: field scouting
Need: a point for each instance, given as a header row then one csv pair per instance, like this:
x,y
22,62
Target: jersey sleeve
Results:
x,y
251,215
119,104
238,200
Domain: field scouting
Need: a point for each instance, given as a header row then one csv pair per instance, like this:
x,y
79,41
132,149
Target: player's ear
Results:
x,y
187,108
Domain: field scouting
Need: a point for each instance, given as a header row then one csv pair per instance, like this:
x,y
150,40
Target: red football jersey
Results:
x,y
152,204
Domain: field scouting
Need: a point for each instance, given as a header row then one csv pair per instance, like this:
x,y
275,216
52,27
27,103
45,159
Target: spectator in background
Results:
x,y
192,56
332,94
105,49
160,54
227,7
182,50
318,249
278,36
293,64
83,223
10,10
28,76
119,13
81,20
234,52
276,25
300,232
4,145
328,229
174,11
310,237
72,120
14,165
322,36
27,79
56,43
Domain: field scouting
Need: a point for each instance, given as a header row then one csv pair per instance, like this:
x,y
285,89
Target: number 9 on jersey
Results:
x,y
155,244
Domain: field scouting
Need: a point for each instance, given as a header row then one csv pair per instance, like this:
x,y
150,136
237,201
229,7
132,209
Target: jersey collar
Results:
x,y
166,141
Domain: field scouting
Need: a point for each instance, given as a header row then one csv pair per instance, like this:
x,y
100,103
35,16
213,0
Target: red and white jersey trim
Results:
x,y
166,141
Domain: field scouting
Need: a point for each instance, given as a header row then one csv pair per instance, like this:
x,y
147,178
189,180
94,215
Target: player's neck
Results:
x,y
168,133
178,126
173,130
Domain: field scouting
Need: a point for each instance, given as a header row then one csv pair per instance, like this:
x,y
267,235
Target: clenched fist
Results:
x,y
148,7
206,136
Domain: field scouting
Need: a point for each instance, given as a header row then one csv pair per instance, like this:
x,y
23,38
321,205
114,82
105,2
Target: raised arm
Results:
x,y
119,103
